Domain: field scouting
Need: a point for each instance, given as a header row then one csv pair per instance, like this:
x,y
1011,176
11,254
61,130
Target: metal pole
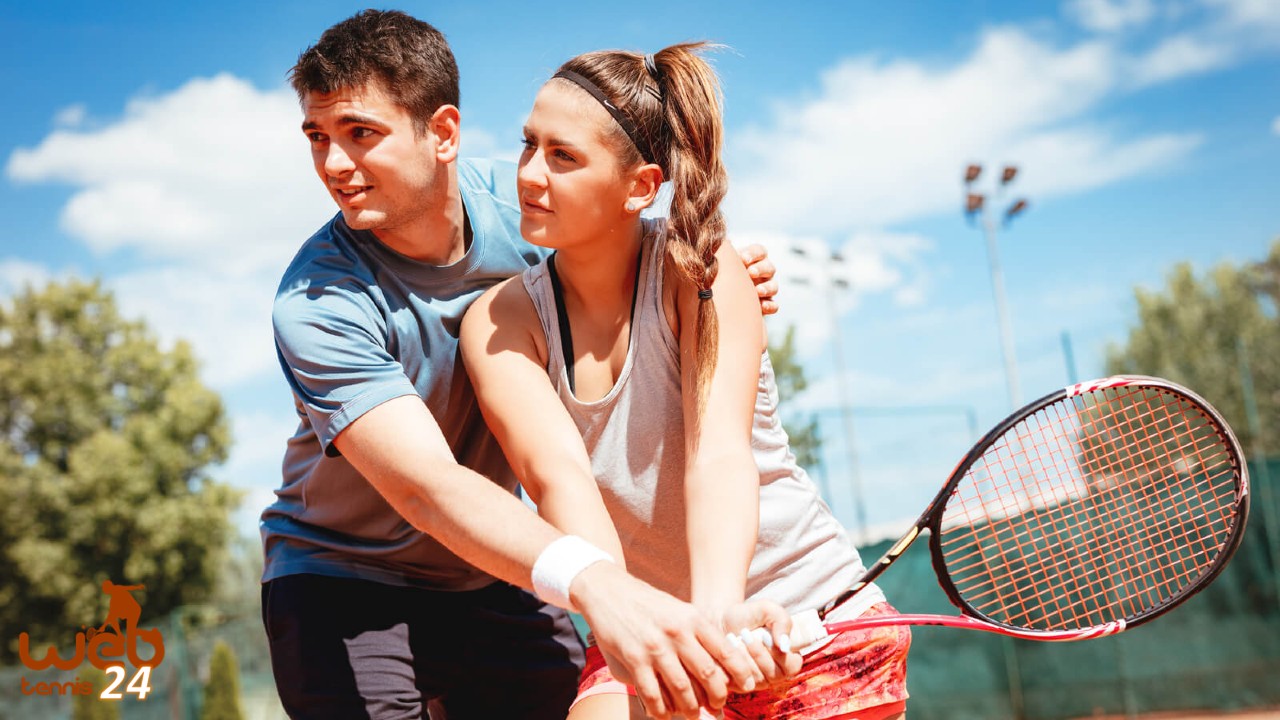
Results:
x,y
1012,670
819,472
1002,311
1070,357
1265,489
846,418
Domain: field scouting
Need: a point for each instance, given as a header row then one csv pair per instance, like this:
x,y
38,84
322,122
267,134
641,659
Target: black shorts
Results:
x,y
345,648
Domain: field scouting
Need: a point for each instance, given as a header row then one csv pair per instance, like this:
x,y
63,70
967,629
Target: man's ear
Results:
x,y
644,187
446,126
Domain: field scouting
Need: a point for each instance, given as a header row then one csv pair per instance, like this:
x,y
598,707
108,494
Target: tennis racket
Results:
x,y
1092,510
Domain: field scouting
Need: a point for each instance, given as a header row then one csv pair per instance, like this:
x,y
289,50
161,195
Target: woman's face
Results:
x,y
571,187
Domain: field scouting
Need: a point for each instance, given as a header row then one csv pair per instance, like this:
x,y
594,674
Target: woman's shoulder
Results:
x,y
508,301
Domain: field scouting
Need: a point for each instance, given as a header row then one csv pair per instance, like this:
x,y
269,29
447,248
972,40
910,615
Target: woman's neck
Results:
x,y
600,276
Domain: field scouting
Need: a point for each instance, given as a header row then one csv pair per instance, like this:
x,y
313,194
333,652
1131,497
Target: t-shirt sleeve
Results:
x,y
332,346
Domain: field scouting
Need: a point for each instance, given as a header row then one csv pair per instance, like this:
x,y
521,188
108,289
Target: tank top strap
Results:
x,y
537,283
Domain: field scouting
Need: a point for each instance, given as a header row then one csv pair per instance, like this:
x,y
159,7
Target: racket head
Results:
x,y
1104,504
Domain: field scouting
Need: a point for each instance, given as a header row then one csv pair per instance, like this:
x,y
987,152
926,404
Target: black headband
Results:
x,y
628,127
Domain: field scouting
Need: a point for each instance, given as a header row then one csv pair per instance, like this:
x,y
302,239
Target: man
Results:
x,y
397,510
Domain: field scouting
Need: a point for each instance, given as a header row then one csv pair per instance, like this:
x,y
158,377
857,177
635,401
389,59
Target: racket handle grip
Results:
x,y
806,628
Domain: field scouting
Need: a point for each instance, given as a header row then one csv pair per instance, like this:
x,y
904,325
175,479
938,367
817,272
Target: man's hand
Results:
x,y
761,270
674,656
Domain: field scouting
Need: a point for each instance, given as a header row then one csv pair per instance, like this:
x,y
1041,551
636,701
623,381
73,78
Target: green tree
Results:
x,y
222,692
105,442
1192,332
92,706
803,430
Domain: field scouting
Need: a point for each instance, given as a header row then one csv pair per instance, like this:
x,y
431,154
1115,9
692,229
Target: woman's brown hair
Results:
x,y
673,100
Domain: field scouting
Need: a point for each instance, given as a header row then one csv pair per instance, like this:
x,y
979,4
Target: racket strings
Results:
x,y
1173,561
1094,508
1049,599
1124,521
1149,495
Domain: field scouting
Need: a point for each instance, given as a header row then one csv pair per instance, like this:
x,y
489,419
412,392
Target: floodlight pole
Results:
x,y
1002,311
833,284
975,204
846,411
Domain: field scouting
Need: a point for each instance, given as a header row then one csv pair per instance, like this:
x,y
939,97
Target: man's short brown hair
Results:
x,y
409,58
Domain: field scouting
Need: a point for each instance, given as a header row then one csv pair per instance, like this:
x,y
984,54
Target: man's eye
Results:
x,y
361,132
315,137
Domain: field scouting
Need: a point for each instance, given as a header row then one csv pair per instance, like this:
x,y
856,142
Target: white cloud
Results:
x,y
1275,125
479,143
1260,15
884,143
255,464
1179,56
215,172
70,116
1111,15
226,317
813,276
16,275
211,187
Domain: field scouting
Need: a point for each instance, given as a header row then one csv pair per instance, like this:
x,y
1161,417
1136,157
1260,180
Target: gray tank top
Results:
x,y
635,438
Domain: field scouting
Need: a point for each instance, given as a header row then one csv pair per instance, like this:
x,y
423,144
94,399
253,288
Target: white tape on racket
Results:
x,y
806,629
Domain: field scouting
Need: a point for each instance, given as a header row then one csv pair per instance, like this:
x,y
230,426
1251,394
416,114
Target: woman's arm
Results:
x,y
722,485
504,350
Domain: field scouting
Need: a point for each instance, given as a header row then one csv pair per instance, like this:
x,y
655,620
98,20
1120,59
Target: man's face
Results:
x,y
376,167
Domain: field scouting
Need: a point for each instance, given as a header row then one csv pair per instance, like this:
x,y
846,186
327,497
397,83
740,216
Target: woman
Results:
x,y
636,356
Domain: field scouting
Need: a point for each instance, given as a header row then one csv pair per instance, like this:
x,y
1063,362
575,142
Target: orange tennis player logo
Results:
x,y
122,607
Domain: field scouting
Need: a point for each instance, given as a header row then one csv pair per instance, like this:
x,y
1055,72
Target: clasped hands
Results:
x,y
680,658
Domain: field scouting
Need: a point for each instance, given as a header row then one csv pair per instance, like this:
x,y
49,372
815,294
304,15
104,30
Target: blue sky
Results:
x,y
156,146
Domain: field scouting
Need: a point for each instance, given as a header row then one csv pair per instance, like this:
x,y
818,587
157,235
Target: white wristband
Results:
x,y
559,563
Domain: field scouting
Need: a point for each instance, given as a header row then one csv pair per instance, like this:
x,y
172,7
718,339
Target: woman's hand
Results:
x,y
774,658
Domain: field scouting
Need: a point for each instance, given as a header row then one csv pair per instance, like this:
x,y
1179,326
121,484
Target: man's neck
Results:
x,y
440,236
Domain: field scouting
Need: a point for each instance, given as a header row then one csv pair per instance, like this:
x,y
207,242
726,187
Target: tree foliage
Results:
x,y
1195,331
803,431
92,706
105,442
222,692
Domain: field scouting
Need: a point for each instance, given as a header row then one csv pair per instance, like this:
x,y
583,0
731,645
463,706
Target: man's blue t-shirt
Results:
x,y
358,324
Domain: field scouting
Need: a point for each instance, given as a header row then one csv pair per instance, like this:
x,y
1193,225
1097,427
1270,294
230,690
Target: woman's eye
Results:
x,y
562,155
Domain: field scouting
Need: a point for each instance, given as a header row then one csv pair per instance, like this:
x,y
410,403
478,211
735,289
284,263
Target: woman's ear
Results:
x,y
446,126
644,187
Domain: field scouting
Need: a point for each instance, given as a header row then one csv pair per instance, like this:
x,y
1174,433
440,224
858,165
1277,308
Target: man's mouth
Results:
x,y
351,192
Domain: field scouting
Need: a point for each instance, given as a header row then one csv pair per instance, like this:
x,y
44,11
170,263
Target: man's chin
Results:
x,y
358,219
